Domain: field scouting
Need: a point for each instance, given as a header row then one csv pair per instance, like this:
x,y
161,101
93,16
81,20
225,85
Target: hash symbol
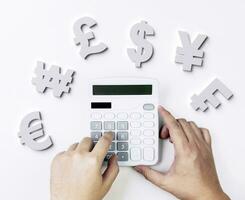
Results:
x,y
190,54
52,79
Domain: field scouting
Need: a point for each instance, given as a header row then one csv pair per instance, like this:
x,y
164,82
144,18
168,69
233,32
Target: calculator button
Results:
x,y
149,116
122,136
148,124
95,125
135,154
148,141
148,154
122,146
113,133
135,116
122,125
135,132
148,106
135,124
96,135
112,146
108,125
122,116
109,116
122,156
148,132
95,116
135,141
108,156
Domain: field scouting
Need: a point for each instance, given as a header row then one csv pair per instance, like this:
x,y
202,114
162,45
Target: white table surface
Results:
x,y
42,30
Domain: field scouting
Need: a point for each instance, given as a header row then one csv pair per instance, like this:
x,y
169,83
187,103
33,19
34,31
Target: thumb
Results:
x,y
157,178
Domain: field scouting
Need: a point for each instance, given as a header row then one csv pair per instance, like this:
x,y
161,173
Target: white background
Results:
x,y
42,30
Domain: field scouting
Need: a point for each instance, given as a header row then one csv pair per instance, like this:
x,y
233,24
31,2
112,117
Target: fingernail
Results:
x,y
110,134
138,169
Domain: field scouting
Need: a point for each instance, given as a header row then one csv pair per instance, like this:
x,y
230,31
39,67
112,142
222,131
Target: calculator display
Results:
x,y
122,89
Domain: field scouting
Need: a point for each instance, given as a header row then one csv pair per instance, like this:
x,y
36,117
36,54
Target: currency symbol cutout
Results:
x,y
52,79
145,49
199,102
190,54
84,39
30,133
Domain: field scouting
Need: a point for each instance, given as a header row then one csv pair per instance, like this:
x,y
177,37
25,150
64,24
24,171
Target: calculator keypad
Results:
x,y
134,134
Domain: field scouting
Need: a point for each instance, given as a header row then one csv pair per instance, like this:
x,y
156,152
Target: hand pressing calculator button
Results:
x,y
127,107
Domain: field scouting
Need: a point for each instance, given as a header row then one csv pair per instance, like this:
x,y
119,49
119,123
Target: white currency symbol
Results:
x,y
83,39
199,102
53,79
190,55
144,48
29,134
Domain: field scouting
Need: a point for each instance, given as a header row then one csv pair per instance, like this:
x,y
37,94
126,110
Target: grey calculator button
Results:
x,y
96,135
122,136
113,133
109,125
122,146
108,156
122,125
96,125
148,106
122,156
112,146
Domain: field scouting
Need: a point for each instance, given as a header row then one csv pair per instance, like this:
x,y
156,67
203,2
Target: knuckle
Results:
x,y
205,130
175,125
192,122
106,140
182,120
117,169
86,139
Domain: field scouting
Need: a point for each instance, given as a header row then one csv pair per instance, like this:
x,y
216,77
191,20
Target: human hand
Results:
x,y
76,174
192,175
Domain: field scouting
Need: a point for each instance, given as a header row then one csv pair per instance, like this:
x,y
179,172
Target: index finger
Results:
x,y
103,145
176,133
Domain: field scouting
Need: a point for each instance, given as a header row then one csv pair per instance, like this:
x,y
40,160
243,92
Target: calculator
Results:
x,y
127,107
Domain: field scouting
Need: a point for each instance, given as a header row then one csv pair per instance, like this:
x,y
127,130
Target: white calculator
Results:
x,y
127,107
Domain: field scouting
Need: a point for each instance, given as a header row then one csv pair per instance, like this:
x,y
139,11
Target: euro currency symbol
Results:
x,y
53,79
30,133
84,39
190,54
145,49
199,102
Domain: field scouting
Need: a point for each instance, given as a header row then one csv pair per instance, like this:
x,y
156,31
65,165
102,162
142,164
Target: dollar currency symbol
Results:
x,y
84,39
144,48
29,134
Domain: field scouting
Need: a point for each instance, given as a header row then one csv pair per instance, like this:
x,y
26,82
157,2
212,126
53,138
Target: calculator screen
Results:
x,y
122,89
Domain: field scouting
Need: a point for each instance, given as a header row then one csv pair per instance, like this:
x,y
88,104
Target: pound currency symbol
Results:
x,y
84,39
